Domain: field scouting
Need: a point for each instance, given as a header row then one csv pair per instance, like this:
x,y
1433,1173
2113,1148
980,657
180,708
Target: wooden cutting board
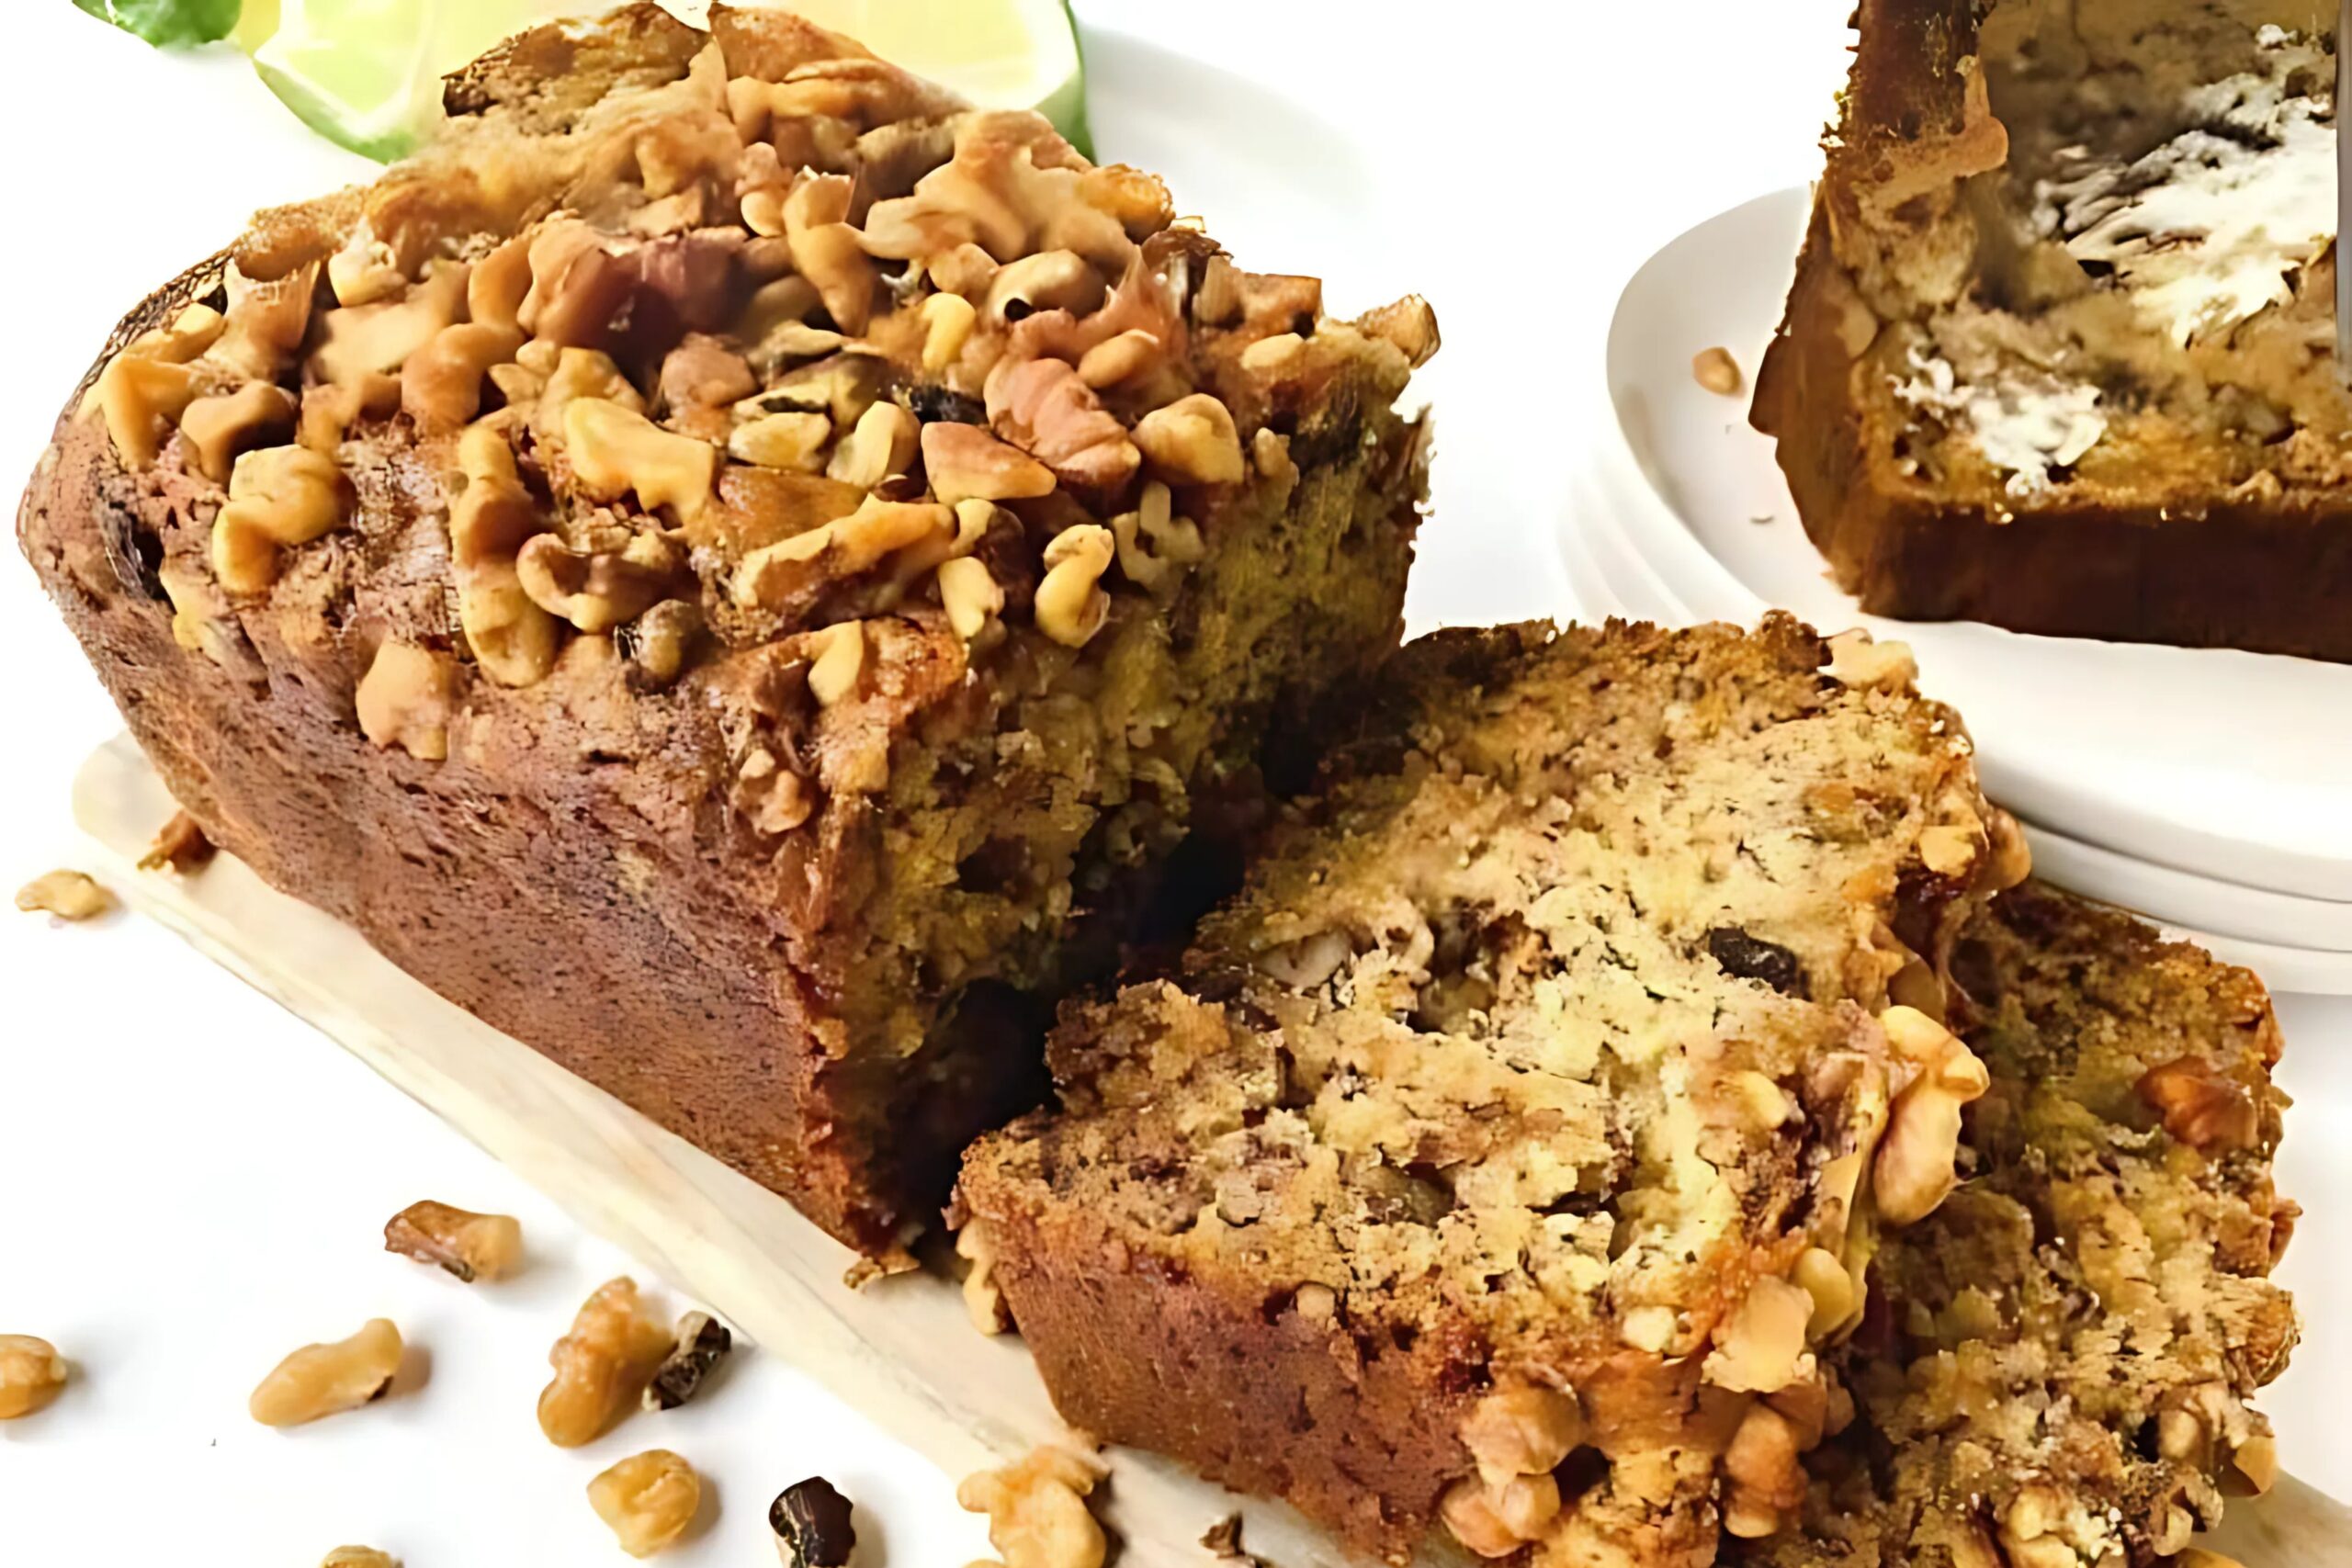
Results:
x,y
902,1350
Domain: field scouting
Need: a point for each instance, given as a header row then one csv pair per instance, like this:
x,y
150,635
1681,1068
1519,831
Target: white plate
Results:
x,y
2234,766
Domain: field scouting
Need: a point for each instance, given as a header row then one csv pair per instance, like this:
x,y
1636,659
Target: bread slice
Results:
x,y
2060,351
736,568
1523,1130
2055,1364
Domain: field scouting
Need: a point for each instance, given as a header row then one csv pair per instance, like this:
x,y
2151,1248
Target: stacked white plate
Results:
x,y
2208,789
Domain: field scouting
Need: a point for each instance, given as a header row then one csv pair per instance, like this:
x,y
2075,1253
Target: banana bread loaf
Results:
x,y
2054,1365
2060,352
1512,1150
736,568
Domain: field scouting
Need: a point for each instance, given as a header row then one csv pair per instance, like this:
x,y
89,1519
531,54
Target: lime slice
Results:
x,y
367,73
1001,54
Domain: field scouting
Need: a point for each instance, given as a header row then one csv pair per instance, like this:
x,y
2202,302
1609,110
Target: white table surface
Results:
x,y
192,1182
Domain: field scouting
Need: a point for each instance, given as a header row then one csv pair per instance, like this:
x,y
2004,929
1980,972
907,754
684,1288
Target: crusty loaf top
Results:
x,y
735,382
1544,1028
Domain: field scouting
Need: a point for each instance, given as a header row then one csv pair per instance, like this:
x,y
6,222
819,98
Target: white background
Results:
x,y
192,1183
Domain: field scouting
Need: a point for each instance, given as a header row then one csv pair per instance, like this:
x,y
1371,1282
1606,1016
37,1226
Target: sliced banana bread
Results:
x,y
1511,1149
2053,1367
2060,354
736,568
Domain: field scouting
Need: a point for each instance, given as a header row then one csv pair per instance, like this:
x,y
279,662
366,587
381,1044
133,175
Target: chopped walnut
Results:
x,y
773,574
471,1247
648,1499
1042,407
322,1380
359,340
330,410
1119,358
827,251
1192,441
1523,1431
491,518
602,1366
1155,548
1766,1479
1912,1170
1759,1349
883,442
180,845
790,440
407,699
33,1374
983,1301
1036,1509
1717,371
769,797
970,595
947,321
615,450
1410,325
68,895
1050,280
839,659
365,270
278,497
141,400
441,382
1856,661
596,590
267,320
2208,1113
659,642
1070,605
499,284
358,1557
1495,1519
218,428
964,462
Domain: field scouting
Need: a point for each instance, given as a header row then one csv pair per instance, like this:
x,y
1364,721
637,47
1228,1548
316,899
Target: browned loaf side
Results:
x,y
736,569
1513,1149
2056,1363
2033,371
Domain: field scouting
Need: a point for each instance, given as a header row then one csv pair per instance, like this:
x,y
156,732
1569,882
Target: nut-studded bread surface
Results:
x,y
1514,1148
2060,351
736,568
2055,1364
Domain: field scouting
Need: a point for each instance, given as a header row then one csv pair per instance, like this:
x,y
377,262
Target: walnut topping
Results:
x,y
595,589
1043,408
278,497
499,284
970,595
573,373
1523,1431
702,372
947,321
68,895
1036,1509
1156,548
1050,280
511,638
192,333
364,271
982,1300
882,444
964,462
1070,605
992,194
406,699
441,382
1410,325
1495,1519
769,797
218,428
330,410
1119,358
659,643
180,845
827,251
1192,441
616,450
1766,1478
790,440
1856,661
839,659
357,340
140,400
771,575
1759,1350
1912,1172
266,323
2202,1109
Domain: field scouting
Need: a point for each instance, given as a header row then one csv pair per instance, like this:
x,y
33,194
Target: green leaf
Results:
x,y
168,24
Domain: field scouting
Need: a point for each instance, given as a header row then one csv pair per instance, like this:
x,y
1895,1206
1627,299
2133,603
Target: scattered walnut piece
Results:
x,y
1119,358
2202,1108
1912,1170
1223,1541
320,1380
278,497
793,439
983,1301
218,428
331,409
1523,1431
881,444
359,340
358,1557
2254,1465
701,1343
1409,324
964,463
407,698
1036,1509
1757,1348
1716,370
601,1367
813,1525
180,845
1192,441
1495,1520
1824,1278
471,1247
33,1374
1042,407
947,321
596,590
648,1499
970,594
68,895
441,382
492,518
616,450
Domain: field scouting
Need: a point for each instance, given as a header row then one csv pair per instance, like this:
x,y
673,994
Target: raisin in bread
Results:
x,y
736,568
2055,1365
2060,351
1514,1148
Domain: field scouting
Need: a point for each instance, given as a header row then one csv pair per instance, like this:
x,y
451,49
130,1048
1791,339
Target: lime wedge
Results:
x,y
1001,54
367,73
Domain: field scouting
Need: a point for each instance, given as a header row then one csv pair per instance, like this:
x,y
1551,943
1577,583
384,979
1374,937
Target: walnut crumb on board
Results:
x,y
68,895
180,845
1716,370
